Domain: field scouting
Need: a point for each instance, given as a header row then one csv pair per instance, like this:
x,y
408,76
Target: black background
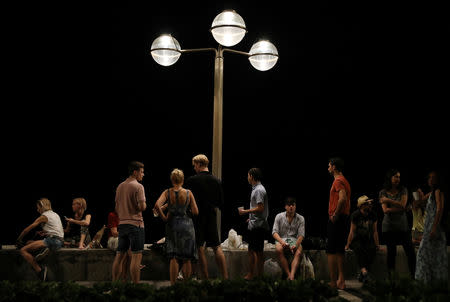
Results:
x,y
83,96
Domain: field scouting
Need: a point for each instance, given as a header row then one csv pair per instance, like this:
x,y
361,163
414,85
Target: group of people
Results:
x,y
430,264
189,209
53,236
187,232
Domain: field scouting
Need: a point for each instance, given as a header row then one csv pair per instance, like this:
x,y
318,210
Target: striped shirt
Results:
x,y
284,229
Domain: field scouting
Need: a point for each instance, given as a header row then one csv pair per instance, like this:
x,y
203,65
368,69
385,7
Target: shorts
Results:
x,y
255,239
53,243
206,229
337,235
130,236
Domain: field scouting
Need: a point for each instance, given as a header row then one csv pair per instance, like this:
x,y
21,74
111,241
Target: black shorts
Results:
x,y
255,239
205,226
337,235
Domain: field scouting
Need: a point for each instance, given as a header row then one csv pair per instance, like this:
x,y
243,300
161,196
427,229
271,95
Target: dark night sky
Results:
x,y
362,81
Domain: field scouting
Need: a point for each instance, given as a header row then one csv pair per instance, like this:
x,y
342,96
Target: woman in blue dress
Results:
x,y
180,233
432,262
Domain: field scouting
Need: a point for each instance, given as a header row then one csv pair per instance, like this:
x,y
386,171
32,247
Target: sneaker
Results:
x,y
42,254
42,275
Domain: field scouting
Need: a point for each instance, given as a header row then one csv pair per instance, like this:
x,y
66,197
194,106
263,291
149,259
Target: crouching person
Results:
x,y
54,237
288,232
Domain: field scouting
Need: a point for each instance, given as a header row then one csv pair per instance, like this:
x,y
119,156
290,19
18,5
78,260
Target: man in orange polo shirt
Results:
x,y
337,228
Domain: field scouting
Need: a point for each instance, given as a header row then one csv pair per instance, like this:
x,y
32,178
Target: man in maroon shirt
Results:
x,y
130,202
337,228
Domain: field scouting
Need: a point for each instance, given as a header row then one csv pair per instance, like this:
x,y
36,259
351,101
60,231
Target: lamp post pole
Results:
x,y
218,107
218,115
228,29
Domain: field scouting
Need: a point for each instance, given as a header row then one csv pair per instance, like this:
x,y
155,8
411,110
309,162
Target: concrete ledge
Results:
x,y
95,264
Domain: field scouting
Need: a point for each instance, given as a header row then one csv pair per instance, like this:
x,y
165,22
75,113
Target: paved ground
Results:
x,y
353,287
350,294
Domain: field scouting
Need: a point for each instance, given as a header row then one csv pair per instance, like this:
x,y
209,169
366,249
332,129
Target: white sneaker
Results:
x,y
42,254
42,275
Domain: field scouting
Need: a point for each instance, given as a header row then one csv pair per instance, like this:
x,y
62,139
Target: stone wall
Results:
x,y
95,264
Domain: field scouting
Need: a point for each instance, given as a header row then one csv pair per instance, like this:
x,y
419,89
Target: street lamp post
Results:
x,y
228,29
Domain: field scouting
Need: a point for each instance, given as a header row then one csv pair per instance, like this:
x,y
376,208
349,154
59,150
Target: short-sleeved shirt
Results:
x,y
53,226
128,195
395,221
339,183
364,226
113,222
259,220
284,229
207,190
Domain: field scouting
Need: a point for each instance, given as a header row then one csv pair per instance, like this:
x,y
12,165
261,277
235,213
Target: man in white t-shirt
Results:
x,y
54,237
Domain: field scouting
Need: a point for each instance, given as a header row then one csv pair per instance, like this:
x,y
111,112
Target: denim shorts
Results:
x,y
53,243
130,236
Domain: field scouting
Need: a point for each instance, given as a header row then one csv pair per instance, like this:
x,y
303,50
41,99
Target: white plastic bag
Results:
x,y
306,268
234,241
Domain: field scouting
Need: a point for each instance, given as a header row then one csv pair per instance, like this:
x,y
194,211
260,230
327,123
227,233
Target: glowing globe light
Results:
x,y
228,28
165,50
263,55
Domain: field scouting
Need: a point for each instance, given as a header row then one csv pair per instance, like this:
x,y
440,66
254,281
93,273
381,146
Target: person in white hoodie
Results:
x,y
53,232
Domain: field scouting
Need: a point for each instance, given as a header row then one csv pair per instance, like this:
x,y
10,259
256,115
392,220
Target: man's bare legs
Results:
x,y
135,267
202,262
259,263
295,263
340,267
251,265
125,264
336,268
117,268
332,268
282,258
221,261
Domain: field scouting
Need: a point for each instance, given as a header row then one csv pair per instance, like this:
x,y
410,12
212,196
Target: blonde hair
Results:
x,y
45,204
177,176
81,201
200,159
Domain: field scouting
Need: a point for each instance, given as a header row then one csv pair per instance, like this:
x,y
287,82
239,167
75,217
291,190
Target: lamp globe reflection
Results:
x,y
165,50
228,28
263,55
